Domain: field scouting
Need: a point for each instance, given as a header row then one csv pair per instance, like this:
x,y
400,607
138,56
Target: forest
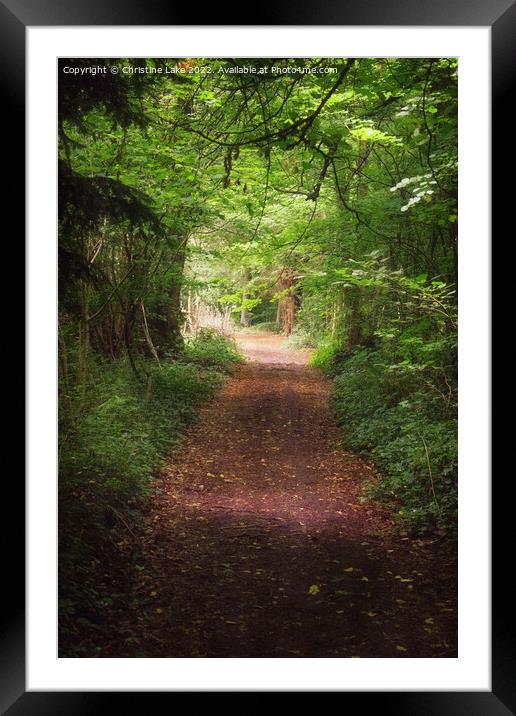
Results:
x,y
257,325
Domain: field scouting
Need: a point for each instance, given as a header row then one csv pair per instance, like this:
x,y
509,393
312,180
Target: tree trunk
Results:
x,y
287,303
354,332
84,338
337,320
244,313
167,325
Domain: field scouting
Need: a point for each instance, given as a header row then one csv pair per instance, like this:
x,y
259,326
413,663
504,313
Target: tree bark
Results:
x,y
167,325
287,303
354,332
84,338
244,313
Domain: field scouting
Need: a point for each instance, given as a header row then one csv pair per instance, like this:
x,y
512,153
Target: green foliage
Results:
x,y
324,356
110,455
300,339
212,350
403,416
264,314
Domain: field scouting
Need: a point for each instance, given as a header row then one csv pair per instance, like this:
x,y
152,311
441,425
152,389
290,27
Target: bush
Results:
x,y
118,437
399,415
212,350
324,355
299,340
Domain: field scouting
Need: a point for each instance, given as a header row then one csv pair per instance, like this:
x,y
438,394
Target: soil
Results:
x,y
261,543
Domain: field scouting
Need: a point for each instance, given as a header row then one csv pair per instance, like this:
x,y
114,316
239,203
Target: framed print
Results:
x,y
258,271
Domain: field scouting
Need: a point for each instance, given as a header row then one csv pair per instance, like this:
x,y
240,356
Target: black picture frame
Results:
x,y
500,15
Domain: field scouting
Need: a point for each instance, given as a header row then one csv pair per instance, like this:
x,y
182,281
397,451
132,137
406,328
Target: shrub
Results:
x,y
324,355
392,408
212,350
109,451
300,339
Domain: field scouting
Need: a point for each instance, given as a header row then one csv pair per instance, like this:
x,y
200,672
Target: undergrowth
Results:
x,y
113,439
299,340
397,406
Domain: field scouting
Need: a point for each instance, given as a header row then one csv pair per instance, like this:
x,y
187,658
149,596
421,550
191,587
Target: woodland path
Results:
x,y
259,543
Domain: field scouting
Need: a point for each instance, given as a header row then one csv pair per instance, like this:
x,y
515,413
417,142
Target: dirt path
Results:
x,y
259,544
